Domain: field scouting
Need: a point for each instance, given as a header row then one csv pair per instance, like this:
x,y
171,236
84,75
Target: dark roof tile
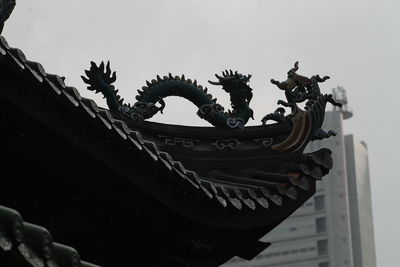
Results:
x,y
33,244
166,159
39,239
235,202
2,51
18,54
149,147
91,104
3,43
73,91
56,80
193,178
258,197
206,187
52,85
37,67
66,256
244,197
117,127
14,56
87,109
301,182
290,192
123,126
70,98
276,199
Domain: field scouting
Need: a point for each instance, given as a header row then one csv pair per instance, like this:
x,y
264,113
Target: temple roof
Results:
x,y
224,193
161,162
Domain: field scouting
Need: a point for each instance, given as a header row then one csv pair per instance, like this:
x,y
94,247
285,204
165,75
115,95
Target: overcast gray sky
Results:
x,y
357,43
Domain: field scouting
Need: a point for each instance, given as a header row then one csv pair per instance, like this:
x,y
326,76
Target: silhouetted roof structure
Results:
x,y
145,194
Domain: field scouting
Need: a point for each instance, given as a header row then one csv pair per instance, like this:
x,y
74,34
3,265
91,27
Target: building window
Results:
x,y
322,247
319,202
323,264
320,225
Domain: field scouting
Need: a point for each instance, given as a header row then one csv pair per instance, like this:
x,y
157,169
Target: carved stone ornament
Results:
x,y
226,144
175,141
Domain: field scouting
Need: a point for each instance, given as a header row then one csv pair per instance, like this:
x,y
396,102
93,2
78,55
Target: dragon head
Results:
x,y
295,79
235,83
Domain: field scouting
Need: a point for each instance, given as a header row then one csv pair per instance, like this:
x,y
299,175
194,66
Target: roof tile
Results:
x,y
33,244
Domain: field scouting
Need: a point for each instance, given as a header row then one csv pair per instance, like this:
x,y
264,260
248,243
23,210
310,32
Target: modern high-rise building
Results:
x,y
335,227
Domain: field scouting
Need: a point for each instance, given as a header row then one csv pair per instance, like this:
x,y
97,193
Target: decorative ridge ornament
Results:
x,y
100,79
299,89
306,123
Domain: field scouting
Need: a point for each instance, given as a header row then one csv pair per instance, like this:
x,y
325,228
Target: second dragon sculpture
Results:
x,y
300,89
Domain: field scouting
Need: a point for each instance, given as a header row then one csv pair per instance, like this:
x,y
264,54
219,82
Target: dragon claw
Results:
x,y
274,82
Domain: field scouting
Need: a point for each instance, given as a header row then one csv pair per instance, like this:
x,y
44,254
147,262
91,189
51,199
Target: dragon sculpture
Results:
x,y
100,79
297,89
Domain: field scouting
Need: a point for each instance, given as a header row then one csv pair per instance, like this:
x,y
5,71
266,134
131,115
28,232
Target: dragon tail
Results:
x,y
100,80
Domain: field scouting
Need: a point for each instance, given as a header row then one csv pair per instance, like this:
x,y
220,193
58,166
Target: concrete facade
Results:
x,y
362,229
334,228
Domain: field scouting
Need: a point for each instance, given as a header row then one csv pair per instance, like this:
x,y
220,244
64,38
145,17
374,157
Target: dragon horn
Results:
x,y
245,78
219,77
215,83
296,67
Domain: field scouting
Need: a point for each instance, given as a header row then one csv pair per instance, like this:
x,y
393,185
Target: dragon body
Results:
x,y
150,98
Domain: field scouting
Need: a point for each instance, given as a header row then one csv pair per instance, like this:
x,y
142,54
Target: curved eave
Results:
x,y
203,199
